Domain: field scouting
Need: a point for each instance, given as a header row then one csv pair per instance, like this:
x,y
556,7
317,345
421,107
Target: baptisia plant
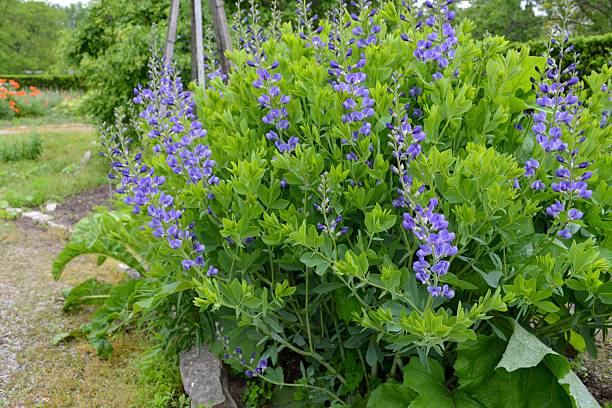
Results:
x,y
364,218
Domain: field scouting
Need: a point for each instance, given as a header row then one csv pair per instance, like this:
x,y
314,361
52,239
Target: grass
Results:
x,y
58,173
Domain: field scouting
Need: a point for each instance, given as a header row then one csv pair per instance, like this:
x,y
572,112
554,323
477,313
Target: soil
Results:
x,y
597,373
236,386
76,207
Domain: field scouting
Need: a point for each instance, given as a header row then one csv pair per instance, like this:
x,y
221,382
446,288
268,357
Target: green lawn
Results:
x,y
58,173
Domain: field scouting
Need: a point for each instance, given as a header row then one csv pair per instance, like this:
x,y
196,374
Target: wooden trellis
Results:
x,y
224,42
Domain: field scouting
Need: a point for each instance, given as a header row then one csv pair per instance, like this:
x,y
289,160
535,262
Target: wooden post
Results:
x,y
224,41
194,62
197,16
171,37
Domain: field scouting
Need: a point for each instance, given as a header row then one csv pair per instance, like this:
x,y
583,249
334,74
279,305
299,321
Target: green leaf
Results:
x,y
89,292
65,336
346,305
429,384
379,220
115,312
327,287
315,260
454,281
275,375
476,360
374,354
391,396
92,235
533,387
525,350
604,292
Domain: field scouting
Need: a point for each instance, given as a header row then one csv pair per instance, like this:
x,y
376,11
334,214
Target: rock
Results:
x,y
50,207
86,157
201,373
37,217
131,272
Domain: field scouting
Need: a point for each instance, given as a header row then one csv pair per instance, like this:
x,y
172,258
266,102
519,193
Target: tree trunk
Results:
x,y
171,37
224,41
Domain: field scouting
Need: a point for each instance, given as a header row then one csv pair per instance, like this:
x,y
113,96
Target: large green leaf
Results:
x,y
93,235
428,383
89,292
525,350
475,367
477,359
114,313
391,396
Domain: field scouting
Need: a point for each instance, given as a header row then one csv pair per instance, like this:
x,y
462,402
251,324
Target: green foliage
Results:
x,y
491,372
29,149
594,51
29,34
159,381
110,47
257,393
97,234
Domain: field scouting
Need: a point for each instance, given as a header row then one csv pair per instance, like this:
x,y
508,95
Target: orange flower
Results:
x,y
20,93
2,96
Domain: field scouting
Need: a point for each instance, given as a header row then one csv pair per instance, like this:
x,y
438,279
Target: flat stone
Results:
x,y
50,207
201,373
37,217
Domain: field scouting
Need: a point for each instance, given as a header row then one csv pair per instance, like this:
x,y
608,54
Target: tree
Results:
x,y
514,19
29,33
590,16
111,48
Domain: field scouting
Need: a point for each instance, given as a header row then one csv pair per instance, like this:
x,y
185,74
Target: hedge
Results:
x,y
47,81
594,50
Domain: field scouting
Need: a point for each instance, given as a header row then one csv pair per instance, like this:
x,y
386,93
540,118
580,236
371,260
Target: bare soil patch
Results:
x,y
77,207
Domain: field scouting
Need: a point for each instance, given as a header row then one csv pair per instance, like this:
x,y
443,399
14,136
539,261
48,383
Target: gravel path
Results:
x,y
33,372
68,127
30,305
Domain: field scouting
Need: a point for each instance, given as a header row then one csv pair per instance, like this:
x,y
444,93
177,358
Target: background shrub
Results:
x,y
595,51
48,81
